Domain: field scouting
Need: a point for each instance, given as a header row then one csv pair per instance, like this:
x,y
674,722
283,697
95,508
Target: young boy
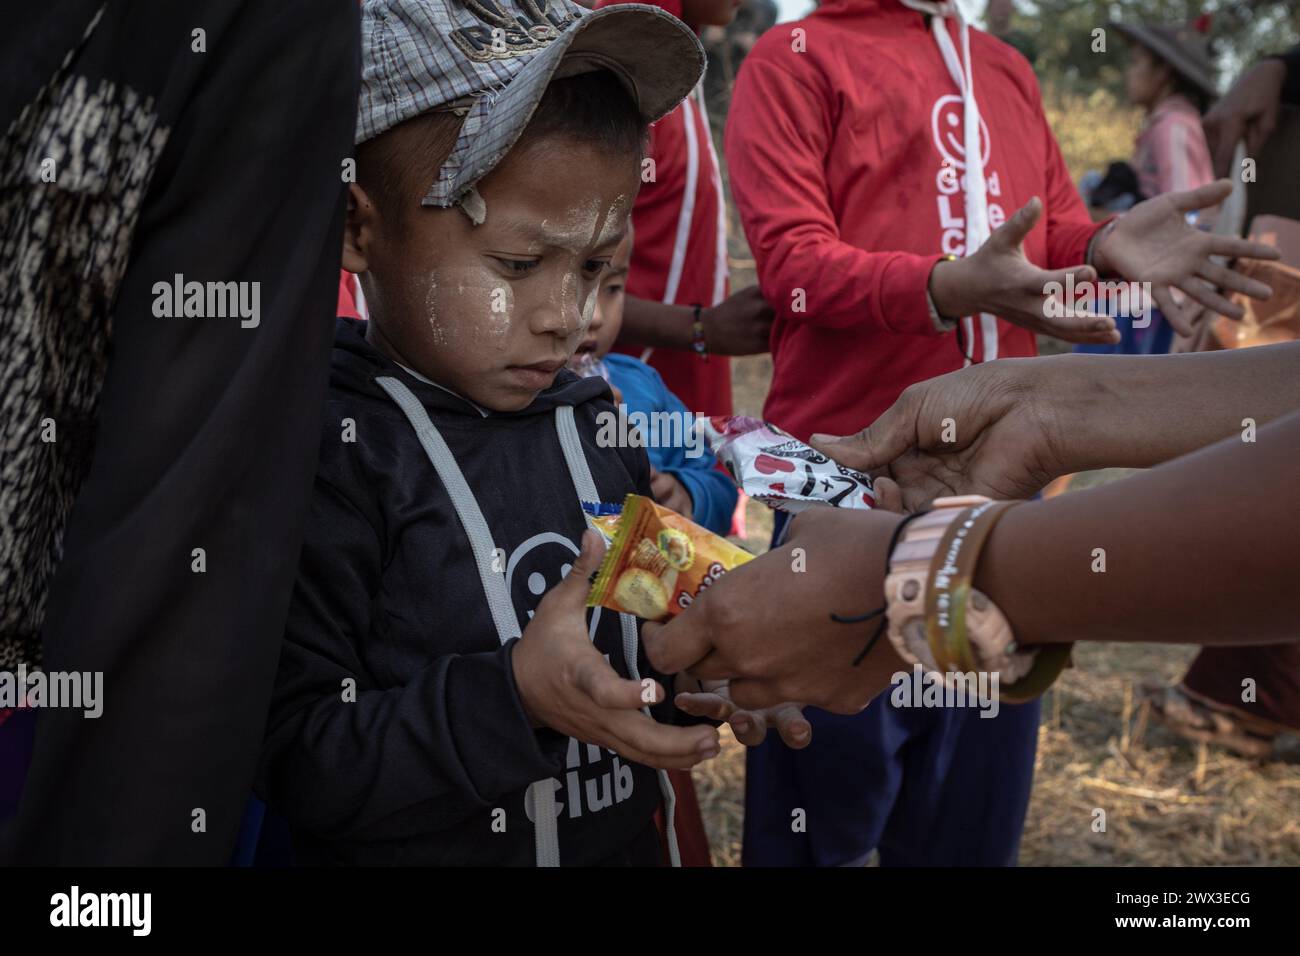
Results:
x,y
428,708
684,477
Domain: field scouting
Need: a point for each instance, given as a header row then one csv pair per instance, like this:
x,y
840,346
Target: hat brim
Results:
x,y
659,68
1171,53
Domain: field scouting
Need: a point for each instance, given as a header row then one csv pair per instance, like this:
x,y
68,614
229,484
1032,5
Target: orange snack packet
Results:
x,y
658,562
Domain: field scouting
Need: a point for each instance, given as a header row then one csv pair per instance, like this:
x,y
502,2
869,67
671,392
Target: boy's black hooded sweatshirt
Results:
x,y
427,759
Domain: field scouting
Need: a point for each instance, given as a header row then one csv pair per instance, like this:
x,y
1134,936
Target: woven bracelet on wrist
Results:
x,y
880,611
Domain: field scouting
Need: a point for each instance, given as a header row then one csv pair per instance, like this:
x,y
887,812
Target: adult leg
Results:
x,y
966,787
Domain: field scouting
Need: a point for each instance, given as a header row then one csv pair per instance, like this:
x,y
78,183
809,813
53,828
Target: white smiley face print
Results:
x,y
949,133
536,566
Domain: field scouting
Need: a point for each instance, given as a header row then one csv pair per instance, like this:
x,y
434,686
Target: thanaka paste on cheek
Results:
x,y
487,301
437,331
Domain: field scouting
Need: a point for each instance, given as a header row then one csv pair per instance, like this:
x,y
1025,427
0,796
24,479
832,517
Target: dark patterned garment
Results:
x,y
155,460
76,164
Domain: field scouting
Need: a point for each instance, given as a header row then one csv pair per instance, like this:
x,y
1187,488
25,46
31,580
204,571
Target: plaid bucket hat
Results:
x,y
491,61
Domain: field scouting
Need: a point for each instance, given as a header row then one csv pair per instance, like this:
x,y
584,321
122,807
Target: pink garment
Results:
x,y
1171,153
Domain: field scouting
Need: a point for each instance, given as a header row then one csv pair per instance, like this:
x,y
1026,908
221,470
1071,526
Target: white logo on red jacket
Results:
x,y
946,128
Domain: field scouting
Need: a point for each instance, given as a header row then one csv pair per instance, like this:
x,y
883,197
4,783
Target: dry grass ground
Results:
x,y
1167,802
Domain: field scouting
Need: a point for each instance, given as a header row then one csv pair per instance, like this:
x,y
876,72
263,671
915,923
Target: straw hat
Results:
x,y
1185,47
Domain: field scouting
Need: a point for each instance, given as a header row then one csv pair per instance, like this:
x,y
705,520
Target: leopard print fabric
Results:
x,y
74,169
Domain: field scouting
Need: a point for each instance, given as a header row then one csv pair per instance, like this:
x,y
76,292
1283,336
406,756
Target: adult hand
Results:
x,y
994,429
566,684
671,493
738,325
767,625
998,279
1154,243
713,700
1249,111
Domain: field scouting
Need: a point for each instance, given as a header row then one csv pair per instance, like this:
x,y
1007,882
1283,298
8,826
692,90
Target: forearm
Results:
x,y
658,324
1201,550
1139,411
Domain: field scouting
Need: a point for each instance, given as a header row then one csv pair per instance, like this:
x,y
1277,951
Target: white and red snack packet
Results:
x,y
781,471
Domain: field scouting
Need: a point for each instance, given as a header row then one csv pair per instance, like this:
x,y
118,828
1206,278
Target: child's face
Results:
x,y
1145,77
493,311
607,319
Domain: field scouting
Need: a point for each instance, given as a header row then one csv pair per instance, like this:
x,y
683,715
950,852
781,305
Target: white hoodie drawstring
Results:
x,y
975,193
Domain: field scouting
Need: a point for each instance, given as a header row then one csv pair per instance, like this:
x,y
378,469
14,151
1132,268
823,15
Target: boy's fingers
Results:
x,y
710,706
657,761
659,741
602,684
570,595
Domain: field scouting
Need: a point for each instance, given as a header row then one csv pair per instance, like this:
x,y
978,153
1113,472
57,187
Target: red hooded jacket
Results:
x,y
679,244
840,128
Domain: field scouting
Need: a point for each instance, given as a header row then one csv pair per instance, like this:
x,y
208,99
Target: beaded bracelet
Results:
x,y
698,344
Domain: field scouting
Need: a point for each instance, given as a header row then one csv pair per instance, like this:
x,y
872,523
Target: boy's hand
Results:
x,y
713,700
566,684
671,493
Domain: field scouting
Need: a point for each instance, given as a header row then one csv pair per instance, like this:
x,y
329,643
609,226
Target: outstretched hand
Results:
x,y
1153,242
999,279
994,429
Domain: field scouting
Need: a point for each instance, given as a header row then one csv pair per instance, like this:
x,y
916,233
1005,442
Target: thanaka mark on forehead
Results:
x,y
573,239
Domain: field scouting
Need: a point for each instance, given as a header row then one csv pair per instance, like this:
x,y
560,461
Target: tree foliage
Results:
x,y
1058,35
